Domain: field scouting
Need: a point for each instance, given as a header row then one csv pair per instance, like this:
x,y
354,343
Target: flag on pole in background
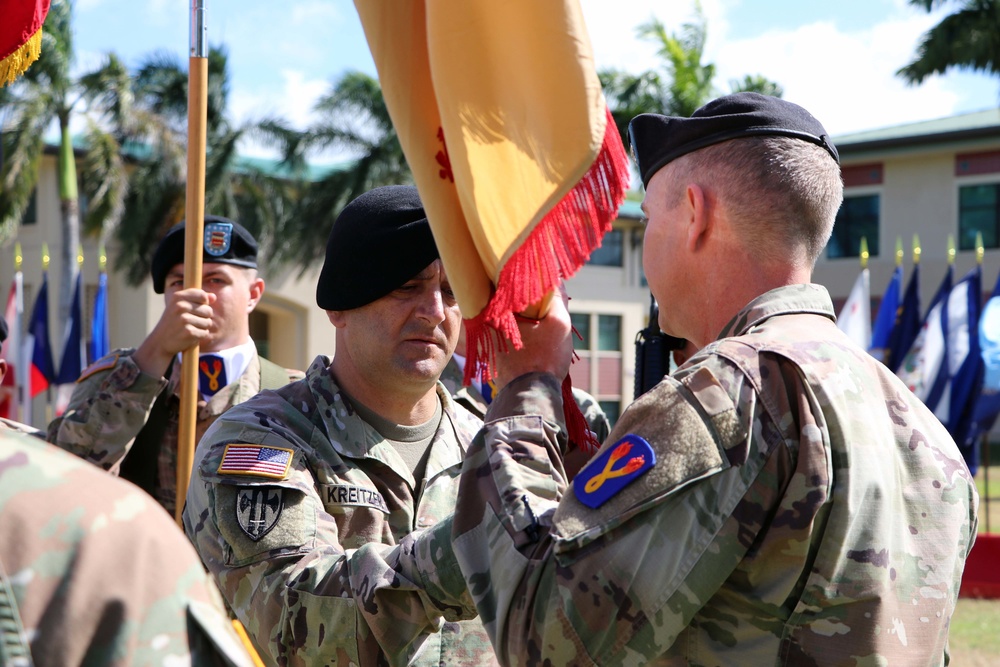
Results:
x,y
100,340
74,355
907,322
965,362
519,165
925,361
855,317
987,405
10,351
20,36
38,347
885,320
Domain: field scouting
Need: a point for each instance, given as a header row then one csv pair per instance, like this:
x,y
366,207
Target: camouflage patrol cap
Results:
x,y
378,242
224,242
658,140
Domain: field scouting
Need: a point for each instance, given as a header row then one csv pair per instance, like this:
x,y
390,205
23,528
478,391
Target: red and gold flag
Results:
x,y
20,36
501,117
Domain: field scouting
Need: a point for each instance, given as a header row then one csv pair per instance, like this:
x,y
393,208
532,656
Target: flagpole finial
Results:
x,y
79,257
45,257
102,258
916,249
899,251
951,250
18,256
864,252
980,250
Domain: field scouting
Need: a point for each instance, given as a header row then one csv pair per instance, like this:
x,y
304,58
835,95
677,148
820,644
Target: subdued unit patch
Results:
x,y
102,364
294,528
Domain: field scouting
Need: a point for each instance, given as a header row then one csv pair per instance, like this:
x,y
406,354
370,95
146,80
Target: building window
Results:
x,y
979,212
598,370
858,217
30,216
611,252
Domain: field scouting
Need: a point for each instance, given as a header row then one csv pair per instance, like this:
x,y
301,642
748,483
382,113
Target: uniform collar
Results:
x,y
788,300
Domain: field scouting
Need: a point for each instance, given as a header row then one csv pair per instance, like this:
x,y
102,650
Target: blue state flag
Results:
x,y
987,405
885,320
921,367
965,362
38,348
100,339
907,323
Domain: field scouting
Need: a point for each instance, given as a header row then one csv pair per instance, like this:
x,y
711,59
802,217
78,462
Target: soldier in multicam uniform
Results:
x,y
366,449
93,572
782,498
123,415
475,400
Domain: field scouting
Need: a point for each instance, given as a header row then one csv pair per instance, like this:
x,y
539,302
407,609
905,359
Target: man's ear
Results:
x,y
336,318
698,216
256,292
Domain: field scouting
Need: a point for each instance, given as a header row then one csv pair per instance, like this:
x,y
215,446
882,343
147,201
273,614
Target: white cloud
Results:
x,y
294,102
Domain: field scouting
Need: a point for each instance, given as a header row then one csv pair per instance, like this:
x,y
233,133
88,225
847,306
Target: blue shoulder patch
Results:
x,y
612,470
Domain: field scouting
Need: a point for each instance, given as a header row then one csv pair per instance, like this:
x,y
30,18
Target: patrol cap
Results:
x,y
378,242
224,242
657,140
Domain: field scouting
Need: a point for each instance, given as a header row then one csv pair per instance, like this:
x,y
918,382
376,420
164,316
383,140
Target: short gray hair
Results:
x,y
781,194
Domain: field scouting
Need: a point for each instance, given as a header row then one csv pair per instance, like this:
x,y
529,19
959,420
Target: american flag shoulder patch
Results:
x,y
257,460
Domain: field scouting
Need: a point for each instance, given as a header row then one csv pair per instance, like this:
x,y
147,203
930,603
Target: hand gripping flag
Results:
x,y
20,36
501,117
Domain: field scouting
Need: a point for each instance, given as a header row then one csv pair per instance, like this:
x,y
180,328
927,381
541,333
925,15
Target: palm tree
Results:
x,y
684,82
155,136
968,38
48,95
352,117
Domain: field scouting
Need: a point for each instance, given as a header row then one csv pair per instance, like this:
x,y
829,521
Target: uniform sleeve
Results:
x,y
560,581
110,404
278,559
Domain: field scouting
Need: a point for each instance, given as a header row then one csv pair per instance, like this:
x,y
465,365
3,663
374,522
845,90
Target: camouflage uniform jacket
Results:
x,y
94,573
282,546
804,508
472,400
110,406
18,427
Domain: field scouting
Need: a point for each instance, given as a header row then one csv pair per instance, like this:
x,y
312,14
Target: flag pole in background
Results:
x,y
194,227
100,343
74,351
888,310
855,317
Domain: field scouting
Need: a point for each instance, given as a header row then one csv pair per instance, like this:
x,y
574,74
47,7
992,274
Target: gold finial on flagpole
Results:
x,y
864,252
79,256
102,258
18,256
980,250
45,257
951,250
899,251
916,249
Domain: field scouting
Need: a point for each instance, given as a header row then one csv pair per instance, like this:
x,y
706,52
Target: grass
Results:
x,y
974,639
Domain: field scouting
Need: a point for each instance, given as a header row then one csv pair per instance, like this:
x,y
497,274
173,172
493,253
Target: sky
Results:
x,y
837,59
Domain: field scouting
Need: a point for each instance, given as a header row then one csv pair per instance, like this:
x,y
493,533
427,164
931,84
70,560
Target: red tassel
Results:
x,y
555,249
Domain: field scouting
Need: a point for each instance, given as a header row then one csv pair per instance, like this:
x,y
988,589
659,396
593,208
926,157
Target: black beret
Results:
x,y
3,330
378,242
224,242
657,140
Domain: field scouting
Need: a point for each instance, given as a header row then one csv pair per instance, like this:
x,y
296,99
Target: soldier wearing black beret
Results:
x,y
124,410
367,448
781,498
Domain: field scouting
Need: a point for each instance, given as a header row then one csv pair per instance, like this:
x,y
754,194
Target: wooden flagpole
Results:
x,y
194,227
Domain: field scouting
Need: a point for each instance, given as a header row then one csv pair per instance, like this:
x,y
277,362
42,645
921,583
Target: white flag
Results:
x,y
855,317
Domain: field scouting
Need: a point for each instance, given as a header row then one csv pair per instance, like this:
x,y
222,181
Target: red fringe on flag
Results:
x,y
554,250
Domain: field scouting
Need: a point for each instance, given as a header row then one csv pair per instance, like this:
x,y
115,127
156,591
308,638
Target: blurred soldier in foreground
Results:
x,y
123,415
782,498
364,450
93,572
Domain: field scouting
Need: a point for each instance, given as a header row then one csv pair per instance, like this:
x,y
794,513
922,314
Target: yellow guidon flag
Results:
x,y
501,117
20,36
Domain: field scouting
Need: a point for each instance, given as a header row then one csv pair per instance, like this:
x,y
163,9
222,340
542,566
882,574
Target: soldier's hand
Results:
x,y
548,345
186,321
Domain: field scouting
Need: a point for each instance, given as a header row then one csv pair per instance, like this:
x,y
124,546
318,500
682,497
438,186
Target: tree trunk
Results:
x,y
69,207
